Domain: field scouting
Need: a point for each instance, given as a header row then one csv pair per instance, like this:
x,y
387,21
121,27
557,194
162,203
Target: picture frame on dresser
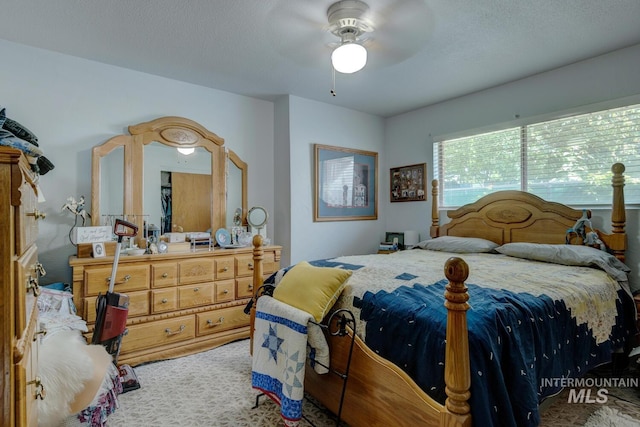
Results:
x,y
346,184
98,249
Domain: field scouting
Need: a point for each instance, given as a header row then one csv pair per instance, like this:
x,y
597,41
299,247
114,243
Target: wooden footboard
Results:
x,y
378,393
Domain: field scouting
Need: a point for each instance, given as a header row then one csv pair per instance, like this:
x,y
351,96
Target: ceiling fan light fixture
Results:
x,y
349,58
186,151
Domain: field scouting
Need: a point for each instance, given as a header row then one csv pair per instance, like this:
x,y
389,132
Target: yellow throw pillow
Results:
x,y
312,289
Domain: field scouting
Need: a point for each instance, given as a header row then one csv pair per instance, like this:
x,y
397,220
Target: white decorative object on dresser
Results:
x,y
20,387
179,303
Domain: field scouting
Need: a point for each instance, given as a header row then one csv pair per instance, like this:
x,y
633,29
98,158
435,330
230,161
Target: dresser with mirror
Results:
x,y
187,300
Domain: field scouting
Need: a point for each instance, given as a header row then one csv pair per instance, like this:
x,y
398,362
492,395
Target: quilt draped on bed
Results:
x,y
283,337
510,345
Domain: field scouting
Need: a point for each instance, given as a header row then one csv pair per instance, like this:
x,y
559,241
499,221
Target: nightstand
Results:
x,y
387,251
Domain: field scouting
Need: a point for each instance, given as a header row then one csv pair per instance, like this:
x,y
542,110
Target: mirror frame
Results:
x,y
244,168
256,209
172,131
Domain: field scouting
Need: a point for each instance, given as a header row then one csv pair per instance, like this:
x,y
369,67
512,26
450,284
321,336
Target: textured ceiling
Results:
x,y
422,52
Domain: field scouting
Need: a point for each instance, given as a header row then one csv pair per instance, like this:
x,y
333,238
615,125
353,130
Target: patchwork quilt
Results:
x,y
283,337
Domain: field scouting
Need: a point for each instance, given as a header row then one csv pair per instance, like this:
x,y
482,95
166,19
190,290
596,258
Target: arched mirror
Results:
x,y
143,177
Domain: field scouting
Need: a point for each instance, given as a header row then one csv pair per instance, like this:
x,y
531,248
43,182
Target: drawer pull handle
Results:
x,y
169,332
40,269
125,279
250,265
41,393
164,300
32,285
250,287
43,332
37,214
165,275
226,291
219,322
196,289
225,268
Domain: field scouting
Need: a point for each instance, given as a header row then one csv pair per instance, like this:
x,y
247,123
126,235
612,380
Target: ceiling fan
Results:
x,y
309,31
348,20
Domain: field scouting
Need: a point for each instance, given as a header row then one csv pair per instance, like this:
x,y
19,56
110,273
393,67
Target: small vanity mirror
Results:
x,y
257,217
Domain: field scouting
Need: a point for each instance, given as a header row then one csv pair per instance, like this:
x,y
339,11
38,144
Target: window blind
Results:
x,y
567,160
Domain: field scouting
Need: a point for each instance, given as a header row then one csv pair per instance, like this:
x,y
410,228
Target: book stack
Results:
x,y
387,247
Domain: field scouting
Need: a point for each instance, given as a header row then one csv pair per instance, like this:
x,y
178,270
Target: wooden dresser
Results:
x,y
19,282
180,303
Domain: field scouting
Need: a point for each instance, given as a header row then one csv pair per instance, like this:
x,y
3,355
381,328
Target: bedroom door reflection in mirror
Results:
x,y
181,196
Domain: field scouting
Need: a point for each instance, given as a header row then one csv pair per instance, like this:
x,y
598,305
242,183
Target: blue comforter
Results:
x,y
515,341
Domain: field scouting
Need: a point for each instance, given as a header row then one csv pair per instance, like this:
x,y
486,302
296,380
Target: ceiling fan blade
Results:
x,y
402,28
298,31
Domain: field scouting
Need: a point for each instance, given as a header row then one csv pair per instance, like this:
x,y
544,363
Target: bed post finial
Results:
x,y
435,217
457,373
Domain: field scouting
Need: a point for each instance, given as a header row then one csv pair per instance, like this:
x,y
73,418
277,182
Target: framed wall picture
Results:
x,y
98,250
346,184
407,183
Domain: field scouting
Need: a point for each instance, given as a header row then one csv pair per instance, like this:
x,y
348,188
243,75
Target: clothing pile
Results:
x,y
15,135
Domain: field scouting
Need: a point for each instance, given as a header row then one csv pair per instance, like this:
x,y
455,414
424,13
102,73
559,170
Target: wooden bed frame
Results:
x,y
378,393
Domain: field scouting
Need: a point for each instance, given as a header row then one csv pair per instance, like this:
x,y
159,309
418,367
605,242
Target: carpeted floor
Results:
x,y
213,389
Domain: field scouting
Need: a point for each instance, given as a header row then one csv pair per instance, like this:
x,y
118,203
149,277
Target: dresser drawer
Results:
x,y
244,265
28,385
220,320
195,295
195,271
269,263
224,267
244,287
164,300
138,305
225,291
28,278
27,218
164,274
26,354
158,333
128,278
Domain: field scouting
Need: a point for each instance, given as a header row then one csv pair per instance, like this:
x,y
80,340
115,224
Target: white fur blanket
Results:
x,y
71,372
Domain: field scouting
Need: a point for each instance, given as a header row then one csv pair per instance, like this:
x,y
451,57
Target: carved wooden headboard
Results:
x,y
517,216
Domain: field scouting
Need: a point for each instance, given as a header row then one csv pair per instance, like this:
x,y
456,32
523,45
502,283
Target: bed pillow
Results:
x,y
568,255
312,289
459,245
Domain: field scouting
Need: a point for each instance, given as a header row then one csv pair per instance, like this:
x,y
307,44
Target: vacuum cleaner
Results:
x,y
112,308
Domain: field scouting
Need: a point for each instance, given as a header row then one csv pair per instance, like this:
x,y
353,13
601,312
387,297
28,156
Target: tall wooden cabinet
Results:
x,y
180,303
19,280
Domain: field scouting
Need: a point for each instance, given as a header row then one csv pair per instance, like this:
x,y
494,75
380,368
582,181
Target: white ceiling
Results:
x,y
422,52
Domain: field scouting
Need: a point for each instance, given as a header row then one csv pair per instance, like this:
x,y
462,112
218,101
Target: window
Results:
x,y
566,160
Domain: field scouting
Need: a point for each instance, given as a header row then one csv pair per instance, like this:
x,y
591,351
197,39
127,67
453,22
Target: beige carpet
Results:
x,y
213,389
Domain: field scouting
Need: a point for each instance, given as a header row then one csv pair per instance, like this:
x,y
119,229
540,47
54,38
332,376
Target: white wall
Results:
x,y
603,82
307,123
72,104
